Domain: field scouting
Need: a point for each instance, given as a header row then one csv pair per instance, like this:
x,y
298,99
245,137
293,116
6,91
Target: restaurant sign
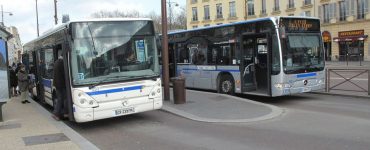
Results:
x,y
351,33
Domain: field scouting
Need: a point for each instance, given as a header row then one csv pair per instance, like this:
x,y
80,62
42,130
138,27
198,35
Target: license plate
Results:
x,y
124,111
306,89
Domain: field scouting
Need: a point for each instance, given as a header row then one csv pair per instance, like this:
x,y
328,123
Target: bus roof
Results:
x,y
239,22
65,25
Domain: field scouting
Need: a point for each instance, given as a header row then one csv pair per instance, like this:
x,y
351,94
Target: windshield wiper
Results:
x,y
105,80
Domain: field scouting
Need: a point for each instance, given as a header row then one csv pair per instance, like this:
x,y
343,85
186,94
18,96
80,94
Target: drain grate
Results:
x,y
44,139
10,126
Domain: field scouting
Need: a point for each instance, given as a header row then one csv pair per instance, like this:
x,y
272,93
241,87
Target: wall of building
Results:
x,y
314,7
15,48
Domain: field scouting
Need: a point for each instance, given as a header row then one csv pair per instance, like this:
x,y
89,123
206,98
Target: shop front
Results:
x,y
351,45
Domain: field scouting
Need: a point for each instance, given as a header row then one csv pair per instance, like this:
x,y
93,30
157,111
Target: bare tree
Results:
x,y
157,21
178,19
115,14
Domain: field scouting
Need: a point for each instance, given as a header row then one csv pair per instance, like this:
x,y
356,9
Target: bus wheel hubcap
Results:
x,y
226,86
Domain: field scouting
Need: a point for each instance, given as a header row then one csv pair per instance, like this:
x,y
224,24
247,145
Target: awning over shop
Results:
x,y
350,38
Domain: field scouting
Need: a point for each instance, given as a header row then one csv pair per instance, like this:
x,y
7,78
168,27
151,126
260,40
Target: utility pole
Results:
x,y
56,14
37,20
165,65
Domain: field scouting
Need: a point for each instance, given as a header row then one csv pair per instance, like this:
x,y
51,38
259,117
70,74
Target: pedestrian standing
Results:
x,y
23,83
13,81
60,109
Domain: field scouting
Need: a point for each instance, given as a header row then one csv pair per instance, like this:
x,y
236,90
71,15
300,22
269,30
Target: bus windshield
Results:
x,y
302,53
113,51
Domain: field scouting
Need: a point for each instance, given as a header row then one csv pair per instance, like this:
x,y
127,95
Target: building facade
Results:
x,y
15,48
345,23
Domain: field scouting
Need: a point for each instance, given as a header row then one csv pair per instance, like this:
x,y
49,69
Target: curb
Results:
x,y
75,137
275,112
335,94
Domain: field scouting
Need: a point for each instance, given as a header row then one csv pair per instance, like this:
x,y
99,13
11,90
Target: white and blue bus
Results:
x,y
111,67
272,56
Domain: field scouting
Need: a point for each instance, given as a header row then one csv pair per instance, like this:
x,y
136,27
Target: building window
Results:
x,y
326,12
307,13
195,14
194,27
307,2
206,25
250,5
291,4
206,12
263,10
219,24
232,9
193,1
362,8
276,5
342,11
290,14
219,11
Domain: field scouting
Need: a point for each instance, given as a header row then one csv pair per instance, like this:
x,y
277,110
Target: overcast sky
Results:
x,y
24,12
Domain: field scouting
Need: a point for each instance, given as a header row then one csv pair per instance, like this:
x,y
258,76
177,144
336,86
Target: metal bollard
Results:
x,y
179,93
1,111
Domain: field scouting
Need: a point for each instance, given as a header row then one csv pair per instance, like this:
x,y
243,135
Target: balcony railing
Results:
x,y
219,16
290,5
263,12
307,2
206,18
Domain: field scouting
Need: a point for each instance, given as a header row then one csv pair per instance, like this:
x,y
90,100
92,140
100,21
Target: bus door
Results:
x,y
254,66
247,71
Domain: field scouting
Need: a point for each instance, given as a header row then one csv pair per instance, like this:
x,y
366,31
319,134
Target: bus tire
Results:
x,y
226,85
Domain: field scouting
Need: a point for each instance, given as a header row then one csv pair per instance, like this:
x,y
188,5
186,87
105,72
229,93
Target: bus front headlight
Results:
x,y
282,85
81,99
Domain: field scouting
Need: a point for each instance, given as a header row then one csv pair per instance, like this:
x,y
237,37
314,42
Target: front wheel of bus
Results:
x,y
226,85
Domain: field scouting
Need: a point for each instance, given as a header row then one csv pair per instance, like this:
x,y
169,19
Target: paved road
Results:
x,y
311,122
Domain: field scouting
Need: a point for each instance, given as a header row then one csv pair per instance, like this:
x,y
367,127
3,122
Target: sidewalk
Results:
x,y
29,126
214,107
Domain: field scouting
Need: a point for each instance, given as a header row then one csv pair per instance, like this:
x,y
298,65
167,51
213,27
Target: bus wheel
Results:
x,y
226,85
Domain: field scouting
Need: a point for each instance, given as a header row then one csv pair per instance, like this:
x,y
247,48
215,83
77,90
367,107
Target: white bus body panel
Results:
x,y
297,83
126,98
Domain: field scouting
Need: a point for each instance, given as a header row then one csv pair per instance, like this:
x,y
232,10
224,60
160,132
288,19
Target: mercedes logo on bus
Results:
x,y
305,82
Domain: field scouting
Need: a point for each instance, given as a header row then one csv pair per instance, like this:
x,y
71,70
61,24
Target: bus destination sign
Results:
x,y
301,25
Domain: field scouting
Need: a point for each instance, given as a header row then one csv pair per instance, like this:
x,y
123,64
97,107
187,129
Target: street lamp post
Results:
x,y
2,14
55,10
165,73
37,20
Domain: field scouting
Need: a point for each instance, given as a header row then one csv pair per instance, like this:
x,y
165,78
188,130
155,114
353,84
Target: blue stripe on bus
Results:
x,y
226,70
124,89
306,75
46,83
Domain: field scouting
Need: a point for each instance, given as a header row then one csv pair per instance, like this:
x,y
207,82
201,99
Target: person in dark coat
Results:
x,y
23,83
59,83
13,81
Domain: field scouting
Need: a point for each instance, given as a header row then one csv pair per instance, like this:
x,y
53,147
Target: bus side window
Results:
x,y
49,63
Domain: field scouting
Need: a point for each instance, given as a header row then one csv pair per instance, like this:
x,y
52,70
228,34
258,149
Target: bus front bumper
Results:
x,y
114,109
296,90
